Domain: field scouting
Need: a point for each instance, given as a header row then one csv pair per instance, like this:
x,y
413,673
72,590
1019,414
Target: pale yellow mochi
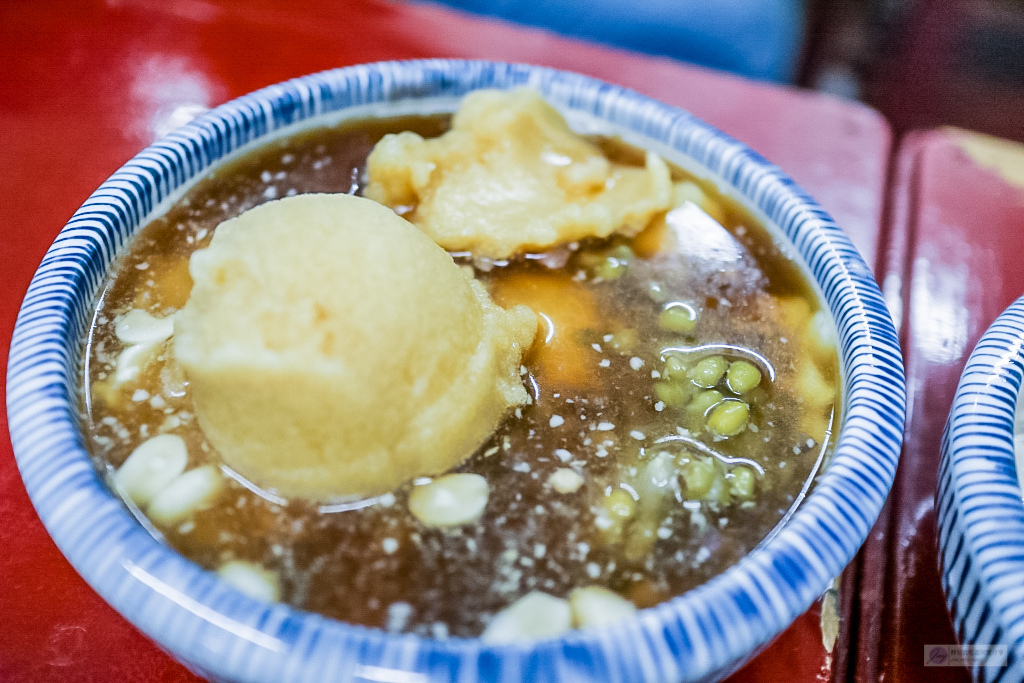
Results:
x,y
334,350
512,177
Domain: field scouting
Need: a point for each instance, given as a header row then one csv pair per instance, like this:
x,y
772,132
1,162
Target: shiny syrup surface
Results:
x,y
594,411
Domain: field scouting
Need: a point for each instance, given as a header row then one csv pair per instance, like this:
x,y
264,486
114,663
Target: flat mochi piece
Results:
x,y
335,351
511,177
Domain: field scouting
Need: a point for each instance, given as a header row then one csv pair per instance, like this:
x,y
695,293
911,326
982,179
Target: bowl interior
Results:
x,y
215,629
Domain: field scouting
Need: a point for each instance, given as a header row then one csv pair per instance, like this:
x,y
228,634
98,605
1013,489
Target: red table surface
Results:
x,y
953,265
85,85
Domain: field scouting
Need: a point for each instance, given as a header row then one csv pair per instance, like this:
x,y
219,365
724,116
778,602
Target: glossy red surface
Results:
x,y
954,264
85,85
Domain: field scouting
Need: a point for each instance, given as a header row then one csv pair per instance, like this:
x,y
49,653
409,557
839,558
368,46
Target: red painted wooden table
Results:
x,y
85,85
952,262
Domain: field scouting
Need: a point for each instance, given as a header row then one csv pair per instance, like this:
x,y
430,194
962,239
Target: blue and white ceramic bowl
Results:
x,y
981,512
221,633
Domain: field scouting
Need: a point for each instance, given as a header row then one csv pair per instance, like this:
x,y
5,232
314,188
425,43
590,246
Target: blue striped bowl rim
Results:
x,y
981,510
217,631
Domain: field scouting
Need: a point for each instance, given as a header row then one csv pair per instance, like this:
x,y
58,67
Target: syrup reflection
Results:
x,y
705,239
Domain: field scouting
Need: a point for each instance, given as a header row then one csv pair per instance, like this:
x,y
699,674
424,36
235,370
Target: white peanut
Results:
x,y
151,467
132,361
139,327
190,492
598,606
565,480
252,579
450,500
142,334
535,616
